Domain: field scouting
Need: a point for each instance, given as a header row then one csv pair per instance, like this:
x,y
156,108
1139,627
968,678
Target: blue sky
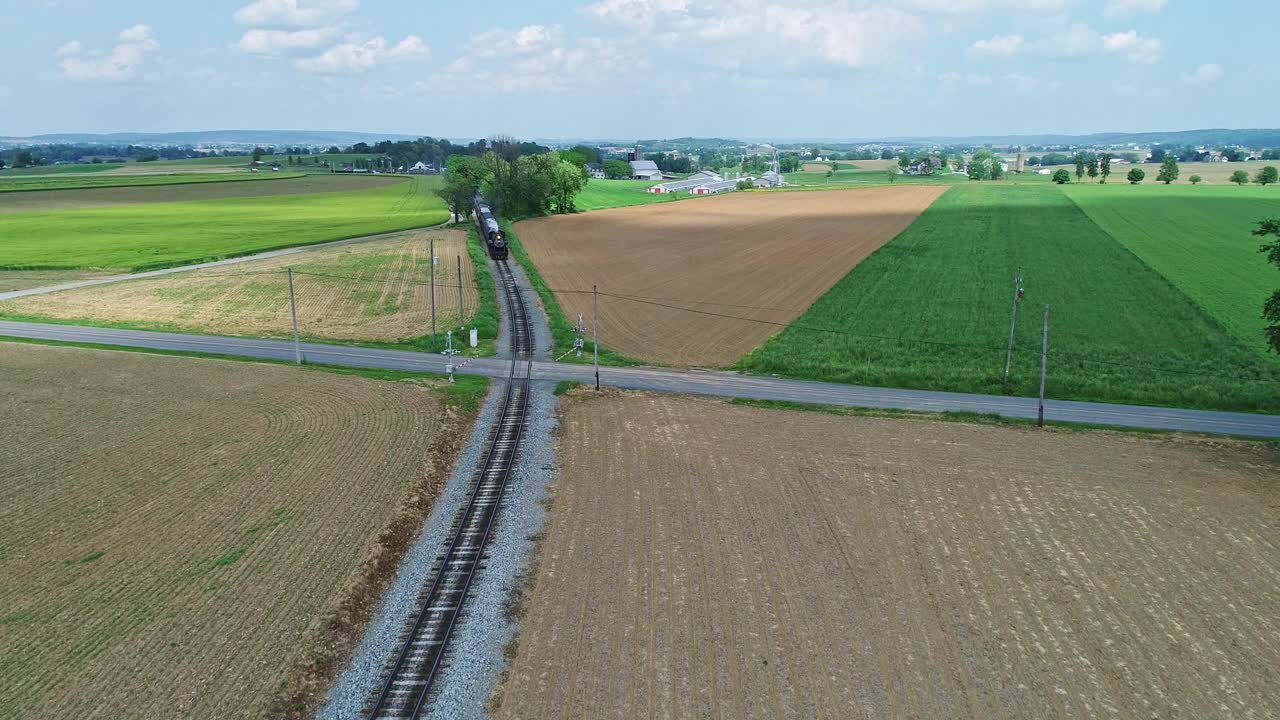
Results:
x,y
640,68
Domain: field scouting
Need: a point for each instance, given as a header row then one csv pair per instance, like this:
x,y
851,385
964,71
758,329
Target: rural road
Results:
x,y
200,266
679,381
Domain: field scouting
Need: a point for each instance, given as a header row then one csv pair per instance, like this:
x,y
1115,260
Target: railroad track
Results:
x,y
409,681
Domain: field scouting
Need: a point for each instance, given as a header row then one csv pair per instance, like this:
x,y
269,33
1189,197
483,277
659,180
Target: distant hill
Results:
x,y
212,137
1253,138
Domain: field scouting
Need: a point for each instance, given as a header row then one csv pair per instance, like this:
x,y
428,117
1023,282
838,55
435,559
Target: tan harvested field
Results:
x,y
371,291
708,560
176,534
24,279
1211,173
763,256
844,165
46,200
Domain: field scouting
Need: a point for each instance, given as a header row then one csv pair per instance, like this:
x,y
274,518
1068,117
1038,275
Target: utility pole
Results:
x,y
595,332
293,311
433,291
460,316
1013,323
1044,363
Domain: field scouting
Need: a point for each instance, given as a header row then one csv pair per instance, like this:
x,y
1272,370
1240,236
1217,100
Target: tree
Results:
x,y
2,162
886,154
617,169
1136,176
1271,309
891,174
24,158
1267,176
567,180
1104,164
462,180
1158,155
575,157
258,153
1168,170
1092,166
1062,177
333,150
1033,161
1080,162
744,184
1240,177
997,170
1195,179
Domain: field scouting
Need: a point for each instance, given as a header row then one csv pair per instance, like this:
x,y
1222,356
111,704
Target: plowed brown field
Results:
x,y
706,560
762,256
376,290
173,531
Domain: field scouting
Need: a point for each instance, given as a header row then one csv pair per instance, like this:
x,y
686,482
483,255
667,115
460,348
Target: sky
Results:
x,y
630,69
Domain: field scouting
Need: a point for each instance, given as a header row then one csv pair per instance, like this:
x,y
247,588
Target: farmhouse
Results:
x,y
699,178
645,170
595,171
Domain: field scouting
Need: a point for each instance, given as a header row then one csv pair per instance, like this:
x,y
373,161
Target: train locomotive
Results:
x,y
495,241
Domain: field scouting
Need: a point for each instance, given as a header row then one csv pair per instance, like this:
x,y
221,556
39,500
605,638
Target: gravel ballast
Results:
x,y
475,659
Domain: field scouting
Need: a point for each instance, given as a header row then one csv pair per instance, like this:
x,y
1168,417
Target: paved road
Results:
x,y
200,266
681,381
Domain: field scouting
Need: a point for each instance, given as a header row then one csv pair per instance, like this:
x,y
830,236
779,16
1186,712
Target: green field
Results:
x,y
1200,239
931,310
603,194
139,237
81,182
58,170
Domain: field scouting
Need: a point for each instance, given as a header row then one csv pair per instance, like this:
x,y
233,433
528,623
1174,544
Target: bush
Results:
x,y
1240,177
1062,177
1195,179
1136,176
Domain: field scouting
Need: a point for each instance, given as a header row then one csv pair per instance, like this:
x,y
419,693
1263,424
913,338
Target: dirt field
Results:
x,y
716,561
45,200
173,531
764,256
377,290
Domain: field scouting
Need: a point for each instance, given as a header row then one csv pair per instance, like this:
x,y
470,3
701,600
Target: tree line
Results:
x,y
517,183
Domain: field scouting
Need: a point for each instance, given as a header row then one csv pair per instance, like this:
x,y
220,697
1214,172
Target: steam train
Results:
x,y
494,239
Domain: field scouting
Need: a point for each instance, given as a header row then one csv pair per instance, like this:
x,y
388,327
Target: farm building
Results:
x,y
420,168
595,171
712,188
770,179
645,170
699,178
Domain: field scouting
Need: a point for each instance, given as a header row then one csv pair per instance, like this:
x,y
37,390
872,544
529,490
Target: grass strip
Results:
x,y
465,392
972,418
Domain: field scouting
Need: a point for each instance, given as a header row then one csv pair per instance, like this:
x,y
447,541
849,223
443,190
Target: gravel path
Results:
x,y
475,660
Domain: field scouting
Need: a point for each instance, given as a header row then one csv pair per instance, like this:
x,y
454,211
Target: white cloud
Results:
x,y
840,32
1121,8
534,59
1206,73
1081,41
955,80
1136,47
1021,83
999,46
297,13
260,41
977,7
120,64
358,55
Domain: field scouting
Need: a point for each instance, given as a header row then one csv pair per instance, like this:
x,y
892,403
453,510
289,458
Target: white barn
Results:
x,y
699,178
645,170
